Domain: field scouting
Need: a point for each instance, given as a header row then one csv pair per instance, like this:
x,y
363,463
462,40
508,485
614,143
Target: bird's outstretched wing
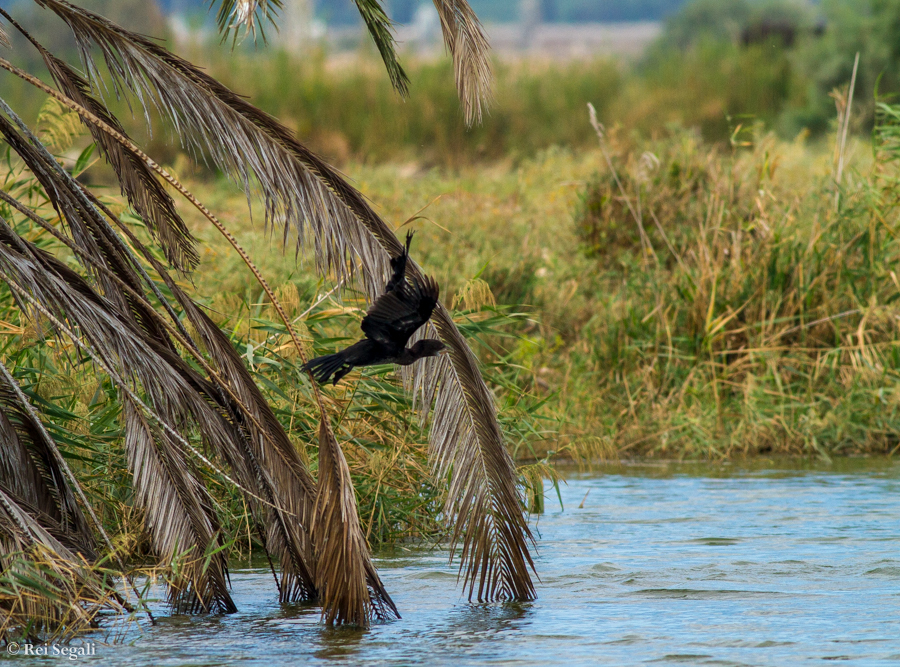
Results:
x,y
396,315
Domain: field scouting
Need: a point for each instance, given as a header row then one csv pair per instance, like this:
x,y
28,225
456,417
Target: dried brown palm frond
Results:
x,y
466,448
168,523
335,486
245,142
30,446
337,536
304,193
269,456
334,536
179,515
265,459
225,355
469,48
29,471
45,543
351,591
166,487
345,578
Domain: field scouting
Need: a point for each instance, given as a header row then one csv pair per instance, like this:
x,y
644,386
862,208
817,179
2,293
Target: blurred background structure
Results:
x,y
548,27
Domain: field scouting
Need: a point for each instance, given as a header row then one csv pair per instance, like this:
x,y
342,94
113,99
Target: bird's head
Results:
x,y
428,347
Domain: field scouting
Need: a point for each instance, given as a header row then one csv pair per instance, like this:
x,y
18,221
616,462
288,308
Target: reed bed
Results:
x,y
711,302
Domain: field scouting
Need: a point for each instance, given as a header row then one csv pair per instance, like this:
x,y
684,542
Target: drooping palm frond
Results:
x,y
337,537
286,536
43,584
245,142
379,605
30,472
304,193
22,527
343,564
179,515
177,520
55,464
379,25
269,462
468,46
466,448
45,542
265,459
351,589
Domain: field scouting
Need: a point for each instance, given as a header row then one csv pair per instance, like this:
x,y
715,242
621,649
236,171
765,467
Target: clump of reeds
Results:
x,y
47,598
741,309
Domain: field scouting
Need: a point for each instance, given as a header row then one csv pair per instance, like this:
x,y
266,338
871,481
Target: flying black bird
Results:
x,y
390,321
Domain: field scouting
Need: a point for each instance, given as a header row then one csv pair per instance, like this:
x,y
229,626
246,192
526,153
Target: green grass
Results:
x,y
758,315
346,108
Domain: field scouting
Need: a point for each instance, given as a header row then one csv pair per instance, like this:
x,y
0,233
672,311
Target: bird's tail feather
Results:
x,y
322,368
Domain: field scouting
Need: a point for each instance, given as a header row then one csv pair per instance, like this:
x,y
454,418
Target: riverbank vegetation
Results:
x,y
719,303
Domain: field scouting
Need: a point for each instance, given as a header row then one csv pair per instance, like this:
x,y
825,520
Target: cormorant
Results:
x,y
390,321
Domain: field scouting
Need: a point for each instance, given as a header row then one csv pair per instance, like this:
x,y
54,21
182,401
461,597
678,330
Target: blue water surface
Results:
x,y
761,564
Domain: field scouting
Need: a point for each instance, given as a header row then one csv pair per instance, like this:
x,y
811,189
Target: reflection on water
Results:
x,y
762,564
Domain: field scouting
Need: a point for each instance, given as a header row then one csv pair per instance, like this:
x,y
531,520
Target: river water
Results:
x,y
766,564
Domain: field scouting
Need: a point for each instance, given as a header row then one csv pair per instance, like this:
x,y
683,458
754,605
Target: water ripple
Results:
x,y
663,564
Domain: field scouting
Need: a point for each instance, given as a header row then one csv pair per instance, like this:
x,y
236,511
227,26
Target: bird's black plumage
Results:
x,y
388,325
